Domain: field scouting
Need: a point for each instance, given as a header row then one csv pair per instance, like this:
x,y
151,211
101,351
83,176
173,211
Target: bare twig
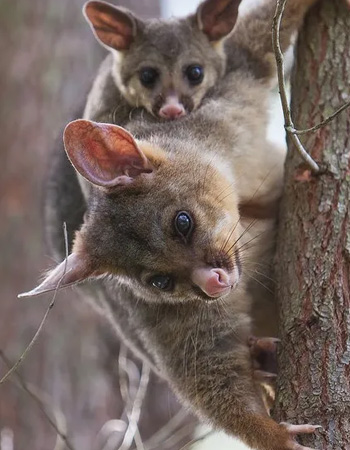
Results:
x,y
282,88
38,331
108,428
132,432
133,388
58,425
321,124
129,380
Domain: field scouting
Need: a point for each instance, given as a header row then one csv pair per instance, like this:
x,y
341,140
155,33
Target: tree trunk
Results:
x,y
313,252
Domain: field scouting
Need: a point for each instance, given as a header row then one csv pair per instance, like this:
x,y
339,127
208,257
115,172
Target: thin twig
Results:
x,y
41,404
38,331
127,370
132,389
321,124
134,415
282,88
108,428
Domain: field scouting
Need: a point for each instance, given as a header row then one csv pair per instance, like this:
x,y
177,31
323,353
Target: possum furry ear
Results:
x,y
113,27
104,154
71,271
217,18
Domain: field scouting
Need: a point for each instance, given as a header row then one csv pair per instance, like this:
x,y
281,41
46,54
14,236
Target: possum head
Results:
x,y
165,224
166,67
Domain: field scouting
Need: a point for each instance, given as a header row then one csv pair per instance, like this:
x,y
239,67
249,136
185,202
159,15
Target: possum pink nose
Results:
x,y
214,282
172,111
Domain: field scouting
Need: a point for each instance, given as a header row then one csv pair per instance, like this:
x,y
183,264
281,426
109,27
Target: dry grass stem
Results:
x,y
41,325
42,399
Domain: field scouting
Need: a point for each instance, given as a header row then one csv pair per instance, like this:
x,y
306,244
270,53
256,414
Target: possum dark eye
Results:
x,y
148,76
194,74
162,282
183,224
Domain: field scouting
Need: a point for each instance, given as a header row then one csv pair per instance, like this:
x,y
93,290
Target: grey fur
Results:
x,y
201,349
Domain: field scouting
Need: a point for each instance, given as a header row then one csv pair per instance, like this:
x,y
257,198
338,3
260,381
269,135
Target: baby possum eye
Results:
x,y
162,282
194,74
183,224
148,76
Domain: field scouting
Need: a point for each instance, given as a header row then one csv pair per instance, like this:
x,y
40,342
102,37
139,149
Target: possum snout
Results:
x,y
172,108
214,282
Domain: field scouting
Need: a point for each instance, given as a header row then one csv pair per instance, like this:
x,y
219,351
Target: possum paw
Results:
x,y
294,430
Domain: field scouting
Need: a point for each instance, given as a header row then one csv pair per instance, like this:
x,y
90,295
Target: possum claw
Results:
x,y
294,430
300,429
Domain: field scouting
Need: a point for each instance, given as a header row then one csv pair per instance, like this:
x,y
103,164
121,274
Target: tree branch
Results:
x,y
321,124
289,125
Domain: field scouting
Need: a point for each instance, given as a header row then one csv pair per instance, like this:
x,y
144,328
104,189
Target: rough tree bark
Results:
x,y
313,254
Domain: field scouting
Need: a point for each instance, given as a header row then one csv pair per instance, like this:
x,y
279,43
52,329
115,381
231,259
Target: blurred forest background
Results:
x,y
48,60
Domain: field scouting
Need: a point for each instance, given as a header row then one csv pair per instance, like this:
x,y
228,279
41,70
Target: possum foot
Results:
x,y
294,430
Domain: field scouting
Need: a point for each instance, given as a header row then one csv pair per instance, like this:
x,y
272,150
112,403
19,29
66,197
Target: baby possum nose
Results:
x,y
213,282
172,108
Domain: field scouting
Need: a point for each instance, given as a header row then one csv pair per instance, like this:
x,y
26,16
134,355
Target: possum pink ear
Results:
x,y
112,26
217,18
104,154
69,272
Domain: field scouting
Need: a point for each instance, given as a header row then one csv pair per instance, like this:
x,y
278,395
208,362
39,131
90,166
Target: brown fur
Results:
x,y
213,164
202,164
253,34
172,45
168,46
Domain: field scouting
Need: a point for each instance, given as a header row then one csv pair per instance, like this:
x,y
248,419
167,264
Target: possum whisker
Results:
x,y
261,274
227,195
218,199
261,184
186,355
131,113
258,281
245,258
244,246
229,237
196,346
250,240
248,228
203,187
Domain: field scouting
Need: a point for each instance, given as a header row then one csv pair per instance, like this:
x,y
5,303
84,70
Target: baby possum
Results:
x,y
164,230
186,57
168,67
164,66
